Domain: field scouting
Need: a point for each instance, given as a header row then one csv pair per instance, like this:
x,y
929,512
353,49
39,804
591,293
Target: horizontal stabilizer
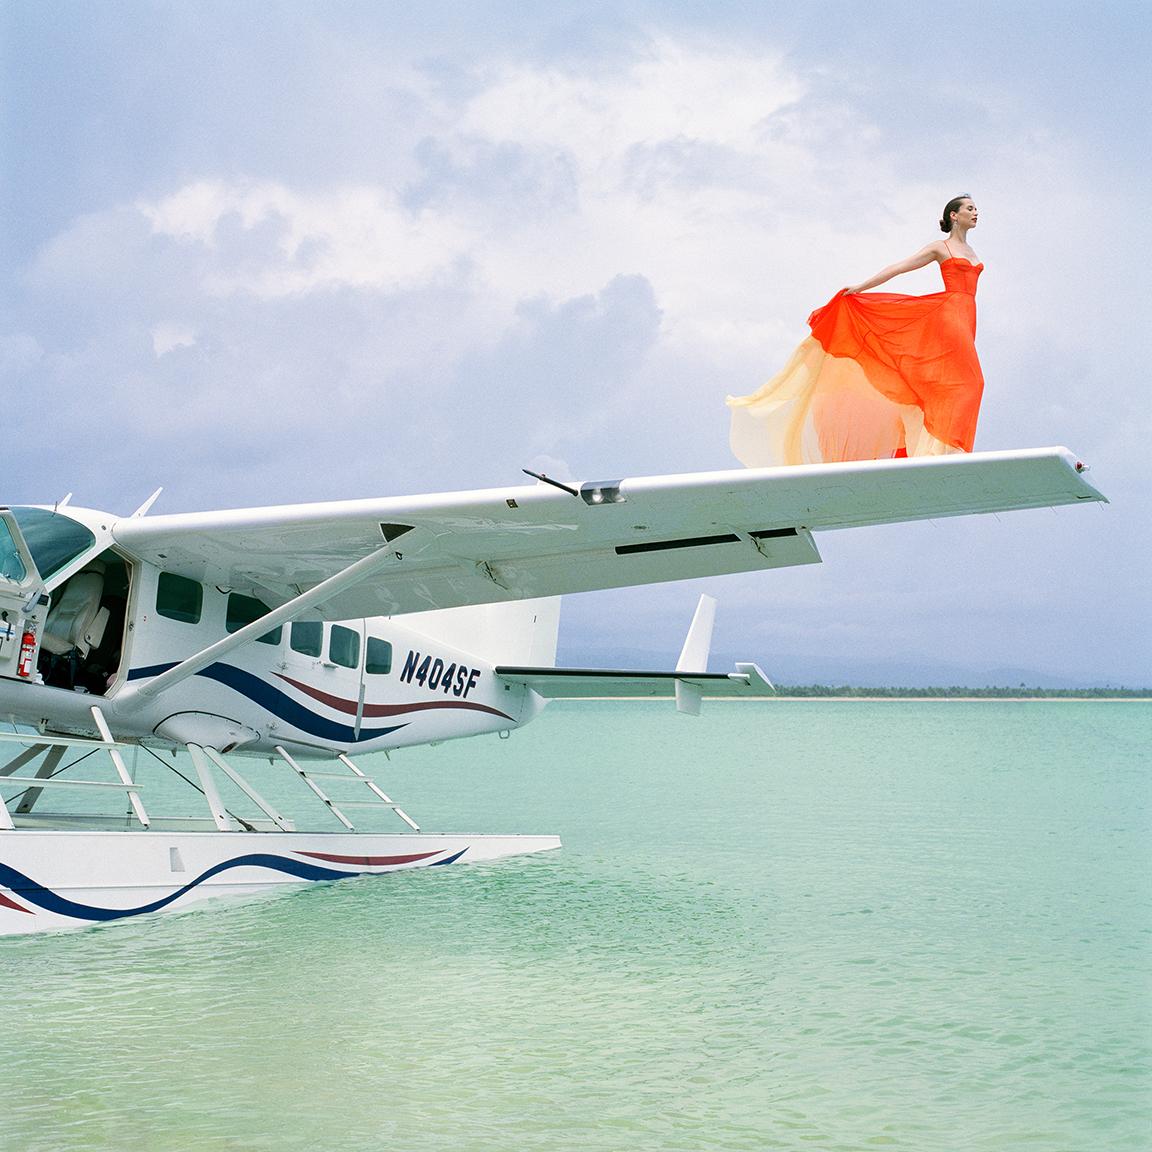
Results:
x,y
608,683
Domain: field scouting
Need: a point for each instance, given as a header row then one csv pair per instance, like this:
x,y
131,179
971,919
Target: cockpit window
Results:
x,y
11,566
54,540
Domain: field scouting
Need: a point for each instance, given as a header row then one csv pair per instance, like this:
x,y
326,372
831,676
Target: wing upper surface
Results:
x,y
534,540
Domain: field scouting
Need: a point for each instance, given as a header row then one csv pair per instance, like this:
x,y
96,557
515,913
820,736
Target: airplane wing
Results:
x,y
414,553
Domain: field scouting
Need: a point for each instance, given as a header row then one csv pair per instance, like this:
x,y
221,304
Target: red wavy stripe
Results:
x,y
6,903
372,861
374,710
400,709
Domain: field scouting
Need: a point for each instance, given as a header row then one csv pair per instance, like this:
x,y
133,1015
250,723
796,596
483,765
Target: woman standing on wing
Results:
x,y
882,375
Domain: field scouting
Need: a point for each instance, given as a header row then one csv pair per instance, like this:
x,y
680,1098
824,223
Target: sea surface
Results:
x,y
791,925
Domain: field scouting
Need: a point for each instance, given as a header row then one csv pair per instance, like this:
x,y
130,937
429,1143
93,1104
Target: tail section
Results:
x,y
694,656
688,683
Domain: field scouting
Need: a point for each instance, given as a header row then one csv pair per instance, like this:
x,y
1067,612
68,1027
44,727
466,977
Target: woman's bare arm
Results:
x,y
918,260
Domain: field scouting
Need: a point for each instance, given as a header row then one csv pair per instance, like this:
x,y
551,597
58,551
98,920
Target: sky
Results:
x,y
268,252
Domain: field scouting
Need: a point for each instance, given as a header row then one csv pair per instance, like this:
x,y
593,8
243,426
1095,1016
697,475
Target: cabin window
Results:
x,y
179,598
307,637
344,647
243,610
378,658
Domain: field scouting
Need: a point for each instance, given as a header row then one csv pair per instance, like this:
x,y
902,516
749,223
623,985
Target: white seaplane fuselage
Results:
x,y
313,633
308,688
307,691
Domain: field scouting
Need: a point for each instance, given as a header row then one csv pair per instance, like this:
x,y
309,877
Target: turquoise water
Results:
x,y
796,925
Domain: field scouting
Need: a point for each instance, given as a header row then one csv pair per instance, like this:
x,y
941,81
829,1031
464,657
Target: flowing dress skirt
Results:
x,y
882,375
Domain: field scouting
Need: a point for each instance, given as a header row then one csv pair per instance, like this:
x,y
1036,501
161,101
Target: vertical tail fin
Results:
x,y
694,655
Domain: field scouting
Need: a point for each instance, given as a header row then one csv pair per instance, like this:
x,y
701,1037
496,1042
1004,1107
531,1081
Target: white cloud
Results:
x,y
271,241
700,166
165,337
675,91
660,167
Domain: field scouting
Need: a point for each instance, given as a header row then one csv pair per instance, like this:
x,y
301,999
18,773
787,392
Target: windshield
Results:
x,y
52,539
11,566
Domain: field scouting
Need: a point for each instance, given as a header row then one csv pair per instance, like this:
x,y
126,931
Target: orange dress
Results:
x,y
882,375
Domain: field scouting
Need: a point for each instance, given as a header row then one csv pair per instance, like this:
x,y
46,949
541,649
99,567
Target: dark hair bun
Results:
x,y
949,208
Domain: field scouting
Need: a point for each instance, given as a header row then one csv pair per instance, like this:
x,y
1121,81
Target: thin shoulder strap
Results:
x,y
950,256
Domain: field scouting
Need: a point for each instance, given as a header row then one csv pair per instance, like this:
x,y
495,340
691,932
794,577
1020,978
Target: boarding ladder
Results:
x,y
53,749
355,775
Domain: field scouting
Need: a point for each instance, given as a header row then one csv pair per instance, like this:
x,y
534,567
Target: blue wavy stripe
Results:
x,y
151,670
51,901
278,703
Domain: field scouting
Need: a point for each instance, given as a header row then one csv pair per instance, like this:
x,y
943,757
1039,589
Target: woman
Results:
x,y
881,375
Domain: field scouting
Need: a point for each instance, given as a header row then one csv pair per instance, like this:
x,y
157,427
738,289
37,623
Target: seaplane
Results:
x,y
310,634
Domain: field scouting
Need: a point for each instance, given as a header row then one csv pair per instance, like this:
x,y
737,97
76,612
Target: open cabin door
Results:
x,y
23,604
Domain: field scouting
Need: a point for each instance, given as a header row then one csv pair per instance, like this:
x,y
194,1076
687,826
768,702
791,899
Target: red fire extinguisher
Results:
x,y
27,652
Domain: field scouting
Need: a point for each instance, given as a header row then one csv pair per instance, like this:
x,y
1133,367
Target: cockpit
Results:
x,y
63,601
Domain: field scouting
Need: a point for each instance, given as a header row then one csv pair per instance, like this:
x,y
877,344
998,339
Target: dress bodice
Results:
x,y
960,275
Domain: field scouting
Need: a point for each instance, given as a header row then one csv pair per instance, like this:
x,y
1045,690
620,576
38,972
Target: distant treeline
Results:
x,y
969,693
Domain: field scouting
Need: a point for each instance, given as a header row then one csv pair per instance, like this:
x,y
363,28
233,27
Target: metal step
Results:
x,y
353,775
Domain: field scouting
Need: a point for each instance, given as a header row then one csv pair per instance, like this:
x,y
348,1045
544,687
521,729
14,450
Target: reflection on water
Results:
x,y
799,925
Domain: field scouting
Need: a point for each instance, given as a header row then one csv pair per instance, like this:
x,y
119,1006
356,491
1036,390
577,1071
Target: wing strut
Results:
x,y
353,574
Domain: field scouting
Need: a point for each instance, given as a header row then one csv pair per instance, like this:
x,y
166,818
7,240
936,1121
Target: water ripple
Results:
x,y
853,947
